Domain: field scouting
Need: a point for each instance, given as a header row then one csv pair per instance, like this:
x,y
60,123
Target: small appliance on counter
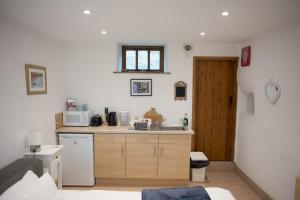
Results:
x,y
112,119
124,117
76,118
96,120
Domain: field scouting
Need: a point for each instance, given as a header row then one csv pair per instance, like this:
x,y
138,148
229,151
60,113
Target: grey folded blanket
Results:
x,y
186,193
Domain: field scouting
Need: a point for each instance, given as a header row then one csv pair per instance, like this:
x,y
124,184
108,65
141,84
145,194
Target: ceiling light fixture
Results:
x,y
225,13
104,32
202,33
87,12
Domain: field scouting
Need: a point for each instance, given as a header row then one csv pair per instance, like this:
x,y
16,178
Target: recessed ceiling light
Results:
x,y
104,32
87,12
225,13
202,33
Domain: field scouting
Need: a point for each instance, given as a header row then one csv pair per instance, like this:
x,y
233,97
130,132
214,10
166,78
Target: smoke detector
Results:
x,y
188,48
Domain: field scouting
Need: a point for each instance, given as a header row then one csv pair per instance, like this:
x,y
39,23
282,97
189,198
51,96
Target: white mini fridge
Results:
x,y
77,159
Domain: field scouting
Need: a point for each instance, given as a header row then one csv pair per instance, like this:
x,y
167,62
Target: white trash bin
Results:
x,y
198,164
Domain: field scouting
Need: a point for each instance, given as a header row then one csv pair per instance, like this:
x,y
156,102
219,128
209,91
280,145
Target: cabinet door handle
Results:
x,y
229,101
154,151
122,150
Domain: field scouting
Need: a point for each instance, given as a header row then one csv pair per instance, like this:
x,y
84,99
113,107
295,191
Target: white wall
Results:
x,y
268,143
90,79
19,112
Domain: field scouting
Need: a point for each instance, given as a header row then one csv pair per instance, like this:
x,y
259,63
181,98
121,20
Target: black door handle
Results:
x,y
229,100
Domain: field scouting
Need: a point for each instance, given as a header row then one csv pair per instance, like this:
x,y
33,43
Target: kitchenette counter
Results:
x,y
122,155
121,129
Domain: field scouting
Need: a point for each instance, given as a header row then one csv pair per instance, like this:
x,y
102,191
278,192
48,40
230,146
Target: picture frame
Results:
x,y
36,79
180,91
141,87
246,56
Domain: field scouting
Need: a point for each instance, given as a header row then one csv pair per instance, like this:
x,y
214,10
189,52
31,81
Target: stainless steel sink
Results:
x,y
169,128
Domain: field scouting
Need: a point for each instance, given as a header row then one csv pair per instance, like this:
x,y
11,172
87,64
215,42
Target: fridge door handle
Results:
x,y
75,137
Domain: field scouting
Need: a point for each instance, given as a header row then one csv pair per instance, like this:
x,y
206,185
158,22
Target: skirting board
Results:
x,y
262,194
140,182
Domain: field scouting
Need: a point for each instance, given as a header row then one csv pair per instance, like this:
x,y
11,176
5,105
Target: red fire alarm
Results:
x,y
246,56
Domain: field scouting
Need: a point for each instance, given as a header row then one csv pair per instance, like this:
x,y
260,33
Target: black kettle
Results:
x,y
112,119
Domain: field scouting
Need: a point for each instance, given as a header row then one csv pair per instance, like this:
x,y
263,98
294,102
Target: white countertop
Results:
x,y
119,129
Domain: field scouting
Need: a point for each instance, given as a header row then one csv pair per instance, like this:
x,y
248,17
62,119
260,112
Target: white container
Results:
x,y
198,174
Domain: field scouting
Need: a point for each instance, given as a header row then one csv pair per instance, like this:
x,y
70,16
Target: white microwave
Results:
x,y
76,118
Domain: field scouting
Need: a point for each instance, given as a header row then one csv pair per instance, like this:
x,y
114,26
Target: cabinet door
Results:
x,y
174,156
141,160
109,155
141,156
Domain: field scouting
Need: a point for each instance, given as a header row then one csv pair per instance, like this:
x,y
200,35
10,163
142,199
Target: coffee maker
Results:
x,y
111,119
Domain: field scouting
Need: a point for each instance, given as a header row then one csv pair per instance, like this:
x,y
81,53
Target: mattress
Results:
x,y
215,193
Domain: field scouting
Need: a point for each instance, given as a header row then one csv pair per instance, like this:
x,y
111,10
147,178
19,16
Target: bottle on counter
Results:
x,y
106,115
185,121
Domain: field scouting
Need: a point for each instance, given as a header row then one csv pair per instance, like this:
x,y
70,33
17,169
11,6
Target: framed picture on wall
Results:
x,y
180,90
141,87
36,79
246,56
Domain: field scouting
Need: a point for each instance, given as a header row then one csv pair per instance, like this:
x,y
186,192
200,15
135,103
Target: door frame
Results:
x,y
234,102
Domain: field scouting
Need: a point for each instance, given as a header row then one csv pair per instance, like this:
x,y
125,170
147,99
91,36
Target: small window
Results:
x,y
142,58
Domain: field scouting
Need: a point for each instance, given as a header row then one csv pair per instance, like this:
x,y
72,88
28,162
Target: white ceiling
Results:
x,y
151,20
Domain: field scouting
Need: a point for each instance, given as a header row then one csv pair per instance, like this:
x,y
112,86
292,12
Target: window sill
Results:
x,y
140,72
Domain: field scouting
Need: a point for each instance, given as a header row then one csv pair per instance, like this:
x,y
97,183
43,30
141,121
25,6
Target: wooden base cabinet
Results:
x,y
174,156
141,156
109,155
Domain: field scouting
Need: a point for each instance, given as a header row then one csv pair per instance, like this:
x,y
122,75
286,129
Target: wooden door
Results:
x,y
141,156
109,155
214,106
174,156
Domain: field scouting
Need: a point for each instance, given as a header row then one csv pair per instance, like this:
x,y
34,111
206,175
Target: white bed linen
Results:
x,y
214,193
15,191
42,189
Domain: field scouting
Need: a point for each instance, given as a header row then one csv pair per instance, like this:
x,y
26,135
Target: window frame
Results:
x,y
143,48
